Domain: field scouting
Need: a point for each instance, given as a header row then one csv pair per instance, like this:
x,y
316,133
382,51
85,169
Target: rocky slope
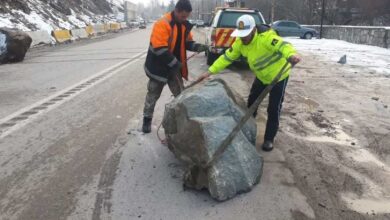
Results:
x,y
31,15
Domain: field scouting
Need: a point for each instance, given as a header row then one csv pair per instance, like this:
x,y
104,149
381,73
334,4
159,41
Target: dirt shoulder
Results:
x,y
335,136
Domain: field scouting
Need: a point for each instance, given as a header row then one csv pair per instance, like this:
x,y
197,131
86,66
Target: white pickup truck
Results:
x,y
222,25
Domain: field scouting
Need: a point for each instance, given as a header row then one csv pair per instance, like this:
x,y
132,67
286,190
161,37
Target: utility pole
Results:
x,y
272,11
322,17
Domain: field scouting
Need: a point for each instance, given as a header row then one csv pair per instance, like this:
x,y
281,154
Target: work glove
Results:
x,y
201,48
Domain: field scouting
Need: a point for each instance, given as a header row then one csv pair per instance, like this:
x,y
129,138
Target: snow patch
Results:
x,y
376,59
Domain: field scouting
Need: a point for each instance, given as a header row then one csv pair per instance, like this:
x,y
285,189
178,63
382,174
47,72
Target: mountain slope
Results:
x,y
31,15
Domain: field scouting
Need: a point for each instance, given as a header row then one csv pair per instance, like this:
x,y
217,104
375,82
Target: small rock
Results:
x,y
321,205
375,98
353,143
343,60
385,106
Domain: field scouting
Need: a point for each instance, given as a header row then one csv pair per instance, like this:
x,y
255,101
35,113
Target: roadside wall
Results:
x,y
40,37
79,33
376,36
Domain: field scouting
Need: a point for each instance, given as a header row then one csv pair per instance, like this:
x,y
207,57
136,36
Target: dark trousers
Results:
x,y
155,89
276,97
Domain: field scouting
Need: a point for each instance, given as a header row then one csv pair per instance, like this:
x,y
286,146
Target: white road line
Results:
x,y
102,76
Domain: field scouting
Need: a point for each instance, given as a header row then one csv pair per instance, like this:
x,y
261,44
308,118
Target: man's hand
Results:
x,y
294,59
203,76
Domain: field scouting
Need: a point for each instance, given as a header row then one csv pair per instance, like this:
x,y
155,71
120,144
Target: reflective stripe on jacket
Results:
x,y
266,54
160,59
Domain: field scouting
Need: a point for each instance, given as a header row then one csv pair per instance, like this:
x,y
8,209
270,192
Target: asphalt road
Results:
x,y
48,158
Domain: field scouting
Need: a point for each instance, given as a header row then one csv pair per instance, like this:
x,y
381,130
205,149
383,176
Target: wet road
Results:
x,y
62,115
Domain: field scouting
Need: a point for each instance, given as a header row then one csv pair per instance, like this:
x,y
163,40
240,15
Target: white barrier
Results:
x,y
40,37
99,28
124,25
79,34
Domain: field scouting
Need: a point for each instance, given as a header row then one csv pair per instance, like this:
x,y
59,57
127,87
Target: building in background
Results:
x,y
130,11
204,9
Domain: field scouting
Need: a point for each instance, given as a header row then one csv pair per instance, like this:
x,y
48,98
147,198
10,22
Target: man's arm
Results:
x,y
275,43
232,54
191,45
223,61
159,44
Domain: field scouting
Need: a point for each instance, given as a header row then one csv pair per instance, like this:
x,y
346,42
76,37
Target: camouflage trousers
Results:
x,y
155,89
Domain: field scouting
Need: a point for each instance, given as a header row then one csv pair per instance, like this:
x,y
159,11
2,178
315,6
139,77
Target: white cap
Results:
x,y
245,25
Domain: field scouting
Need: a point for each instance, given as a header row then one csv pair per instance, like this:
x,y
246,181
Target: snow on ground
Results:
x,y
358,55
36,19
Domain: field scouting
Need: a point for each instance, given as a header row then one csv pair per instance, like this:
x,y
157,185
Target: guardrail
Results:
x,y
375,36
66,36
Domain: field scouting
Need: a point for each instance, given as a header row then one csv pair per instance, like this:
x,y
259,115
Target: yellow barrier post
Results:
x,y
90,31
62,36
115,27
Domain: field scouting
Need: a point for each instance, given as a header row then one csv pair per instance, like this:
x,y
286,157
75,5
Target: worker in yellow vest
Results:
x,y
266,53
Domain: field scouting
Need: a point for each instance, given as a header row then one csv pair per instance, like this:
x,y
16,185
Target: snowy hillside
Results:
x,y
31,15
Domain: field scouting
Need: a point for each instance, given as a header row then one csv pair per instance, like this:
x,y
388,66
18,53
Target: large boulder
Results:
x,y
17,44
195,124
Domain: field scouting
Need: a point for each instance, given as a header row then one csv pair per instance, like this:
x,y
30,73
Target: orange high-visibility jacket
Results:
x,y
160,59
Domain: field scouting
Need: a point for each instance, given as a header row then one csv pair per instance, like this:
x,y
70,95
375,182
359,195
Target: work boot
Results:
x,y
267,146
147,126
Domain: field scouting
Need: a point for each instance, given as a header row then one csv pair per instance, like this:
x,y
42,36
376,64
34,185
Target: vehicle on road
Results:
x,y
199,23
222,25
293,29
134,23
142,24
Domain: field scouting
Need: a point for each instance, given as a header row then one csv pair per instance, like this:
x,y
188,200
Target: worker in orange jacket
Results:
x,y
166,60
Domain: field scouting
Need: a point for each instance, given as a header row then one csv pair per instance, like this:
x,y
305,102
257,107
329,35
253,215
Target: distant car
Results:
x,y
193,22
134,24
142,24
199,23
222,25
293,29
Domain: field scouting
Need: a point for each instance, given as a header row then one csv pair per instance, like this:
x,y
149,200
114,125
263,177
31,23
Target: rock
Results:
x,y
375,98
196,122
3,44
343,60
17,44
